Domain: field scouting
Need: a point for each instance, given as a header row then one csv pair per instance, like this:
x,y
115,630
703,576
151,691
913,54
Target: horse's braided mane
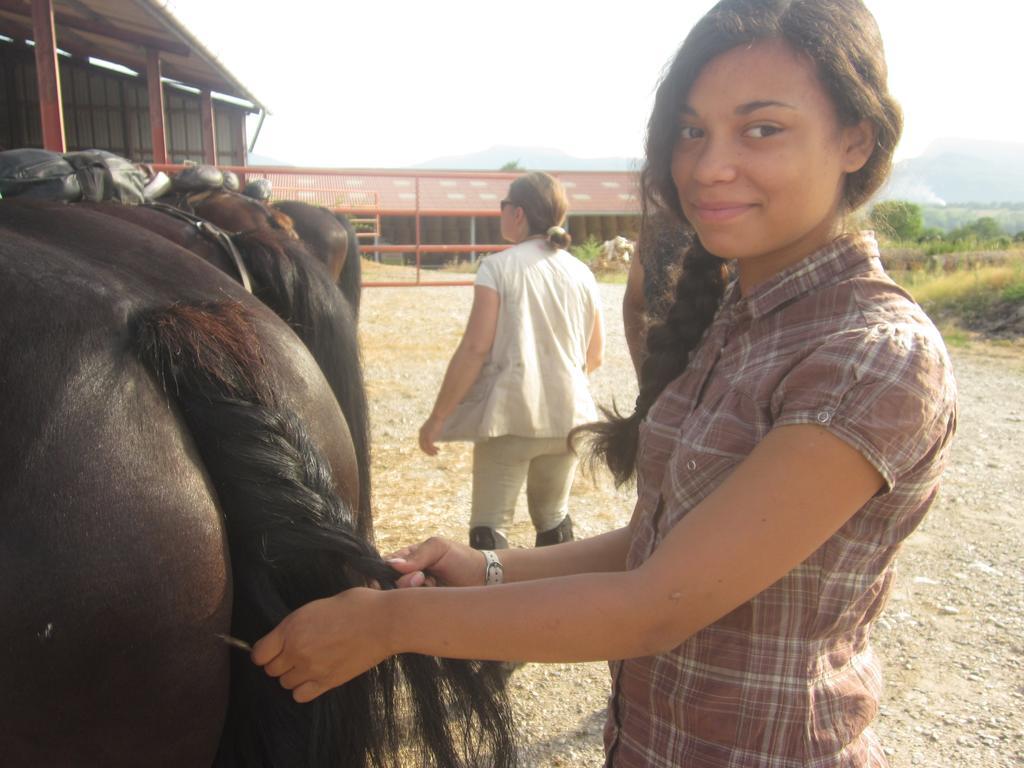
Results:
x,y
292,540
297,287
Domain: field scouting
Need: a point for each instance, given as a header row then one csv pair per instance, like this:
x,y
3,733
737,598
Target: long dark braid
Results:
x,y
698,293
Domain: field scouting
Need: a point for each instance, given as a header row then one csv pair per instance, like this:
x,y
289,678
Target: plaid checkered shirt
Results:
x,y
789,679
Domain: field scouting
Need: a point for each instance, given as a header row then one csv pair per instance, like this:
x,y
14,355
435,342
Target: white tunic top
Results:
x,y
534,382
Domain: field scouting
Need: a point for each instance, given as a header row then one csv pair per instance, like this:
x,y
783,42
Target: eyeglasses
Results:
x,y
506,202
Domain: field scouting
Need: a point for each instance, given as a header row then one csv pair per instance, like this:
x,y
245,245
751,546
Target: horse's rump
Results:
x,y
292,283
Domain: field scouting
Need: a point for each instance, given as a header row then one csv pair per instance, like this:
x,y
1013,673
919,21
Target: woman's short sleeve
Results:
x,y
887,390
487,274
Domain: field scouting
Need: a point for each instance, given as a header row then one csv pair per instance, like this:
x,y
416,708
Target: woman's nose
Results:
x,y
716,162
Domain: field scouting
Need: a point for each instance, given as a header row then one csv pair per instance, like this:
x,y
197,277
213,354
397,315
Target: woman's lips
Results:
x,y
718,212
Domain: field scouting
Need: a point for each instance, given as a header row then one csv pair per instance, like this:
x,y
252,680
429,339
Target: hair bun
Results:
x,y
558,237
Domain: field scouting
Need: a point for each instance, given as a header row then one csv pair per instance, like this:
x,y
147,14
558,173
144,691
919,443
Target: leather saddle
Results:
x,y
93,174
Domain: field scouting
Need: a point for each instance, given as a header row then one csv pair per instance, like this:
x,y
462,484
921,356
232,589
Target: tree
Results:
x,y
512,165
897,219
984,229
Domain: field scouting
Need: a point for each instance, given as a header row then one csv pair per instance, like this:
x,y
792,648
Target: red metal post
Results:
x,y
419,241
156,105
209,128
51,111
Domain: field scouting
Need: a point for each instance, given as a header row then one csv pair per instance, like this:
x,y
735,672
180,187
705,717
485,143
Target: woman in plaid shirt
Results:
x,y
790,432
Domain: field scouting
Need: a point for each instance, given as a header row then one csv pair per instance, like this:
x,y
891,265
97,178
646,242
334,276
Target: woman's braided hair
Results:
x,y
842,39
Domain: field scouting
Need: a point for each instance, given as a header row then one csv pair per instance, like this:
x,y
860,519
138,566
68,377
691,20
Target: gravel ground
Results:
x,y
952,638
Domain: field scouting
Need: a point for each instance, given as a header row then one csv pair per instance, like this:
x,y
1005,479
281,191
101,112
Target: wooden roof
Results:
x,y
120,31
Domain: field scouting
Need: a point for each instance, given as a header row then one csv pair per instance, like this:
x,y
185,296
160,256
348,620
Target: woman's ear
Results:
x,y
858,144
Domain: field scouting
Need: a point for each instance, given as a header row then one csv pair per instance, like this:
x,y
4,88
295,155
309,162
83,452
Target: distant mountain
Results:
x,y
531,158
258,159
957,171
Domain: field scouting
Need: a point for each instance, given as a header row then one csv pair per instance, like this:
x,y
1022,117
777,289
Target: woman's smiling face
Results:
x,y
760,159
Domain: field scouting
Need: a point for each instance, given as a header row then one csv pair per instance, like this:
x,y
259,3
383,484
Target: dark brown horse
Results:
x,y
332,238
233,211
285,277
328,236
175,467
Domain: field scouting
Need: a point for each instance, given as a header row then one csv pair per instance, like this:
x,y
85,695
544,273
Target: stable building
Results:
x,y
456,209
121,75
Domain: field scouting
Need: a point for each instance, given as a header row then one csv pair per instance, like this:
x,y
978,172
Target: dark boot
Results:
x,y
558,534
483,537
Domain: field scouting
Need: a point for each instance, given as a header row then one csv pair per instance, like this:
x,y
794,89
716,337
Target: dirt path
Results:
x,y
952,639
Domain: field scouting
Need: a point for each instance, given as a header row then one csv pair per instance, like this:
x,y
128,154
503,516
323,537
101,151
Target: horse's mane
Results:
x,y
299,290
351,279
314,223
238,207
292,540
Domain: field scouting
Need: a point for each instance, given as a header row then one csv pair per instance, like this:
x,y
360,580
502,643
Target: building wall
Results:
x,y
454,230
109,110
457,229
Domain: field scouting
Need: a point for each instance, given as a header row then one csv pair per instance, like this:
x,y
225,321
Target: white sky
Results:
x,y
392,83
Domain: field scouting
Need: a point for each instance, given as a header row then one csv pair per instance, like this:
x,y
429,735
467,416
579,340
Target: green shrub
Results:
x,y
589,251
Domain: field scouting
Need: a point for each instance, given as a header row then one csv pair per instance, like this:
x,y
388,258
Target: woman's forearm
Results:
x,y
462,372
599,554
583,618
471,354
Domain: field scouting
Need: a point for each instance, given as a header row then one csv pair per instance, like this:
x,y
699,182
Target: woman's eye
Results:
x,y
689,132
761,131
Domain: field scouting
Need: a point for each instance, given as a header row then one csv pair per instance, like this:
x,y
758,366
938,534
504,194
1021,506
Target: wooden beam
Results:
x,y
209,128
70,41
238,132
156,106
104,28
51,112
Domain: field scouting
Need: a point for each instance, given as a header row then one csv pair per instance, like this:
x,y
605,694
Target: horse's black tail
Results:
x,y
351,279
291,541
299,289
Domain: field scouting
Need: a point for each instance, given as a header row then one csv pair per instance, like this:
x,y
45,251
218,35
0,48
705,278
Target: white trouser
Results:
x,y
502,464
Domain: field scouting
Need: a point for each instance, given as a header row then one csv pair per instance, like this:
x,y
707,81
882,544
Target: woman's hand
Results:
x,y
438,561
429,433
326,643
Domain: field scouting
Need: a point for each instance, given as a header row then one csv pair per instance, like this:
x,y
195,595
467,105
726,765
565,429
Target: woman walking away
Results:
x,y
791,429
517,383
